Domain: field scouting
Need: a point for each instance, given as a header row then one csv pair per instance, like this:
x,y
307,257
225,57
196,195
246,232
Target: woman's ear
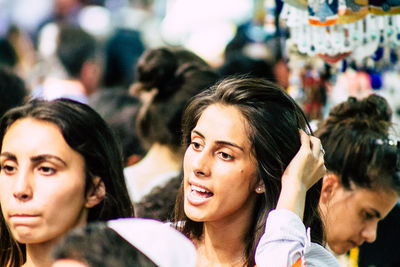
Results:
x,y
95,194
330,184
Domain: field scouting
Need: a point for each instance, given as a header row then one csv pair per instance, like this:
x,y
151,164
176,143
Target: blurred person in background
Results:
x,y
122,51
8,55
80,56
362,184
159,203
12,90
119,109
63,12
165,82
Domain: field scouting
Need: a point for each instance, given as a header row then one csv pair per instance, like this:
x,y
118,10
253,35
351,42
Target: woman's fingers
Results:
x,y
318,153
315,146
304,139
313,159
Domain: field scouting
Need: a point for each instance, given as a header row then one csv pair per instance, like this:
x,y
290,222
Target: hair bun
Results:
x,y
155,69
373,107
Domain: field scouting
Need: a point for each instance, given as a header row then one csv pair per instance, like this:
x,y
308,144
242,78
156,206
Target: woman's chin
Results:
x,y
194,214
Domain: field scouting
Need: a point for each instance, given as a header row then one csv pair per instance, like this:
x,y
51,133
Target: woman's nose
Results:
x,y
23,187
201,164
369,233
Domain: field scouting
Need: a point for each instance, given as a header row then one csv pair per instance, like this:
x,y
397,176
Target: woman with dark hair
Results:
x,y
248,154
362,183
167,79
60,168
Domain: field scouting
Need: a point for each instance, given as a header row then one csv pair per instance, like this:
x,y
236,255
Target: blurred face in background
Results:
x,y
351,216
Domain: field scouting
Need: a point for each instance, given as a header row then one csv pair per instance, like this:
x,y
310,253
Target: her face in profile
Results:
x,y
42,182
351,216
219,168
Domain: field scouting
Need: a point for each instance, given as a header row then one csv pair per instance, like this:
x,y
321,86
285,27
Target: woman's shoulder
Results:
x,y
317,255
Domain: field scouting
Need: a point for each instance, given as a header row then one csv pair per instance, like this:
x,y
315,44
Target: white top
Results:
x,y
286,240
160,242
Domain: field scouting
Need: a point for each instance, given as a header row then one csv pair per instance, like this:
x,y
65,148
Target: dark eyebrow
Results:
x,y
220,142
8,156
45,157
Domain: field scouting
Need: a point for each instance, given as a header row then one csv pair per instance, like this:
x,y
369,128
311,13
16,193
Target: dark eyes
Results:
x,y
368,216
7,169
10,170
225,156
46,170
195,145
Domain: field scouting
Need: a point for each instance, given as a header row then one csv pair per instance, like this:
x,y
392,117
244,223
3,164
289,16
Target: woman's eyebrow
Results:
x,y
220,142
198,133
229,144
45,157
376,213
9,156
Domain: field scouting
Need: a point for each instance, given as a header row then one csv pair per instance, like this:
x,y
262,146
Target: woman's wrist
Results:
x,y
292,197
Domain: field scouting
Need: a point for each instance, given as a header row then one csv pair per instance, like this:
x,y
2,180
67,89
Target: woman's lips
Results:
x,y
198,195
24,215
23,219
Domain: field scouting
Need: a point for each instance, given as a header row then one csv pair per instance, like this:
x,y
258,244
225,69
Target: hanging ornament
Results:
x,y
322,12
350,11
378,54
380,7
358,40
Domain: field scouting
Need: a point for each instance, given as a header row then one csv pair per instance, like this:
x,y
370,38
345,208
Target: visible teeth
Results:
x,y
199,189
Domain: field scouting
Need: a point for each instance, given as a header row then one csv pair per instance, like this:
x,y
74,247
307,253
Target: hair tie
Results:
x,y
388,141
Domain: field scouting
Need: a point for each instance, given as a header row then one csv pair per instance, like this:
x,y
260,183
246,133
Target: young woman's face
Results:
x,y
42,182
219,169
352,216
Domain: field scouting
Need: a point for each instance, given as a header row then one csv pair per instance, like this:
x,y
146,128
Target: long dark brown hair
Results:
x,y
274,120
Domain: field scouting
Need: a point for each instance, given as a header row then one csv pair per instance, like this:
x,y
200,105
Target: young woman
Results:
x,y
241,135
363,180
60,168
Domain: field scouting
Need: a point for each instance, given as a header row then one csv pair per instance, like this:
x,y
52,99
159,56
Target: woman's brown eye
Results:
x,y
226,156
195,145
47,170
7,169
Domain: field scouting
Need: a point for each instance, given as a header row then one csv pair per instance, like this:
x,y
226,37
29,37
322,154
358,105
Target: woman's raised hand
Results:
x,y
307,167
304,170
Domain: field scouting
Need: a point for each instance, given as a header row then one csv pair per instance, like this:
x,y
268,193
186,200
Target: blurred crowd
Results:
x,y
117,57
